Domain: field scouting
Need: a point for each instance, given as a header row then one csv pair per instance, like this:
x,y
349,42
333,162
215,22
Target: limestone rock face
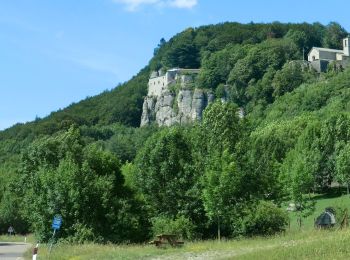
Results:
x,y
169,108
165,114
148,108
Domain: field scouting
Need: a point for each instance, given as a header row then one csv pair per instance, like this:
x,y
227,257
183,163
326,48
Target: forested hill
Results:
x,y
293,140
215,48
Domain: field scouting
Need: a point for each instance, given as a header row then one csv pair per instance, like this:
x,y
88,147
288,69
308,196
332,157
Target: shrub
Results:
x,y
220,91
340,211
80,235
181,226
265,219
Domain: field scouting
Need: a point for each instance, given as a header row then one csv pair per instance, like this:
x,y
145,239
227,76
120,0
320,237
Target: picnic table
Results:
x,y
166,239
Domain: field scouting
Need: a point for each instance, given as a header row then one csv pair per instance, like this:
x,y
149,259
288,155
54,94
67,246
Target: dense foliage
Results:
x,y
225,176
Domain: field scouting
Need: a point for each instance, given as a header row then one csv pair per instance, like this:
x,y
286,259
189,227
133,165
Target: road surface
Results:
x,y
13,251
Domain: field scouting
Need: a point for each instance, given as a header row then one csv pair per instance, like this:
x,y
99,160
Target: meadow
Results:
x,y
323,201
311,244
18,238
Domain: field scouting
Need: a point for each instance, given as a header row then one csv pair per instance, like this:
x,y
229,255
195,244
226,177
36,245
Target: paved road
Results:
x,y
13,251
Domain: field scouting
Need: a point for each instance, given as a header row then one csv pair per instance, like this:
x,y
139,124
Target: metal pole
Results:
x,y
52,240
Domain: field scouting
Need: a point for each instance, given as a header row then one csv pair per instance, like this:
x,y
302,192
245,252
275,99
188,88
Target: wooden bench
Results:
x,y
166,239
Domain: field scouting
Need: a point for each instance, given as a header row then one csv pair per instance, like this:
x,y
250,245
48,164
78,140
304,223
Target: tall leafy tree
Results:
x,y
299,179
225,191
223,185
166,176
221,126
343,164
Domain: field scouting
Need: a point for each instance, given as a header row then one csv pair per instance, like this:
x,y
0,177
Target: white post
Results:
x,y
35,251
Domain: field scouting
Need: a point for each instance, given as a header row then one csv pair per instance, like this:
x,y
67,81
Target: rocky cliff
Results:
x,y
170,108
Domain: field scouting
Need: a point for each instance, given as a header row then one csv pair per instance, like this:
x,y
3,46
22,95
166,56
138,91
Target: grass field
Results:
x,y
323,201
296,243
313,244
17,238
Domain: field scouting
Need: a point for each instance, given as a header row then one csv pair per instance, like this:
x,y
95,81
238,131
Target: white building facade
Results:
x,y
321,57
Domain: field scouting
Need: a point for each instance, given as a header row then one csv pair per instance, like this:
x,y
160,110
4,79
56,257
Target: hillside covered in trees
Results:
x,y
113,181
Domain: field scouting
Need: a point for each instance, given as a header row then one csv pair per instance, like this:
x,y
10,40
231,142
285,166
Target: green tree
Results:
x,y
333,36
287,79
221,126
224,191
223,185
166,176
343,164
300,38
81,183
161,43
260,59
183,52
300,181
216,66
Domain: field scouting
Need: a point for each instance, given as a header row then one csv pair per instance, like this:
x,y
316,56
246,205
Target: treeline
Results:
x,y
190,180
223,176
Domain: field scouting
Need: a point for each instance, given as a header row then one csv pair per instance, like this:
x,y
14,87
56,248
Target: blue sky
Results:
x,y
56,52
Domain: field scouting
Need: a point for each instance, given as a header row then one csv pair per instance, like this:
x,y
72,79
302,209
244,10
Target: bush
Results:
x,y
265,219
181,226
220,91
81,235
339,210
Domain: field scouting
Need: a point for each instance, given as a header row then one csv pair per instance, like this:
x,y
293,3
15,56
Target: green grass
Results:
x,y
17,238
316,245
323,201
304,243
312,244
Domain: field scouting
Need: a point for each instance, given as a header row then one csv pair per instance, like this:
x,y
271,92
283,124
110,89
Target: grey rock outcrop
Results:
x,y
169,109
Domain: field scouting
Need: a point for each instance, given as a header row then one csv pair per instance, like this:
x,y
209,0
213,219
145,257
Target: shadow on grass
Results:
x,y
331,193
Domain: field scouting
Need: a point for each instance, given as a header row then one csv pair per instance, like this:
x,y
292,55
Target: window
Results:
x,y
313,58
346,43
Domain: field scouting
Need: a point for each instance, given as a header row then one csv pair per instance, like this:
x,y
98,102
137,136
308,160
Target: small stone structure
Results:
x,y
326,219
319,58
160,81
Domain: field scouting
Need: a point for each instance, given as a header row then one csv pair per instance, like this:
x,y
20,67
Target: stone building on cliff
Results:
x,y
319,58
173,99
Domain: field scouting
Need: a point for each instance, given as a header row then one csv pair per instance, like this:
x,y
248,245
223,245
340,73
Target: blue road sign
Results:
x,y
57,222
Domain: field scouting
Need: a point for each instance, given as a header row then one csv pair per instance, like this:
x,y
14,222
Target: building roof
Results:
x,y
185,70
328,50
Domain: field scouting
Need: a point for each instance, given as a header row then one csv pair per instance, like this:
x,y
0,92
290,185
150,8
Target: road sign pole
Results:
x,y
56,224
52,240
